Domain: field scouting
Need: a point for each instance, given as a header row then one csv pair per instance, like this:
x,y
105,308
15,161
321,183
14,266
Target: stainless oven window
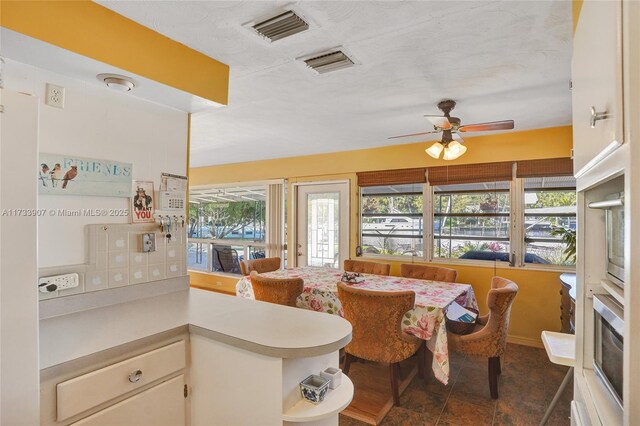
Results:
x,y
609,343
611,356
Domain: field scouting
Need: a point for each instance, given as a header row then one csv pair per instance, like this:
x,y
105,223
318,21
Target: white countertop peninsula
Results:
x,y
233,343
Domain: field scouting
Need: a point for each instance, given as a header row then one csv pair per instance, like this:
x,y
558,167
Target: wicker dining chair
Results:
x,y
282,291
267,264
490,338
376,320
367,267
425,272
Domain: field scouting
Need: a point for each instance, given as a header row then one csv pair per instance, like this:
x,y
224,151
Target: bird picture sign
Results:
x,y
71,175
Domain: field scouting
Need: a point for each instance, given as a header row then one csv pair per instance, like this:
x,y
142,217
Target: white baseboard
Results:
x,y
525,341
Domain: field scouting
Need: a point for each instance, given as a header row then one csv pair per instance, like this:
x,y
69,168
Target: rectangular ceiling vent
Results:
x,y
328,62
281,26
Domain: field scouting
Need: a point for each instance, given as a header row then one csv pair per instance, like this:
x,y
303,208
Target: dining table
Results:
x,y
426,320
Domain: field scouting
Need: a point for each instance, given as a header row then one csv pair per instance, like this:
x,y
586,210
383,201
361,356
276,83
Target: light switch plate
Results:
x,y
58,282
149,242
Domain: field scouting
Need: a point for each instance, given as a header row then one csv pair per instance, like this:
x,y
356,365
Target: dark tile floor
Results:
x,y
527,384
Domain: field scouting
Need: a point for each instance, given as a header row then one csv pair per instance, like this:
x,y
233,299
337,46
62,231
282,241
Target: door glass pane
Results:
x,y
323,241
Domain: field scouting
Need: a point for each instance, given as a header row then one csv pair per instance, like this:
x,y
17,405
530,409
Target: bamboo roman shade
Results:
x,y
545,168
470,173
392,177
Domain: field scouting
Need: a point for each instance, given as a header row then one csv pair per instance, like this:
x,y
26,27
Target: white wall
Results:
x,y
19,395
97,122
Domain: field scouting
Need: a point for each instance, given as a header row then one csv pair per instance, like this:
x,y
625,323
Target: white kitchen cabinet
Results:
x,y
596,74
161,405
145,389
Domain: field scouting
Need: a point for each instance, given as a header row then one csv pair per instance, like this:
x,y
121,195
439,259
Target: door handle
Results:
x,y
597,116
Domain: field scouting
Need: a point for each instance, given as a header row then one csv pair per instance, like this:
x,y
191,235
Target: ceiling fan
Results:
x,y
451,142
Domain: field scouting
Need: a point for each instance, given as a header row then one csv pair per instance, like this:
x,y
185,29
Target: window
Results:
x,y
229,224
391,220
522,212
472,221
228,213
549,219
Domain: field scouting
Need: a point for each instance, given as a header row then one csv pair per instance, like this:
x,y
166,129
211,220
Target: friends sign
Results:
x,y
71,175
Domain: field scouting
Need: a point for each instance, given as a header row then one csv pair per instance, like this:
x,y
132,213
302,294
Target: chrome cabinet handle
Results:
x,y
596,116
135,376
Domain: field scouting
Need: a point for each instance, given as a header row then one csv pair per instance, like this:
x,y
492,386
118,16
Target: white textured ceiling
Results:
x,y
498,59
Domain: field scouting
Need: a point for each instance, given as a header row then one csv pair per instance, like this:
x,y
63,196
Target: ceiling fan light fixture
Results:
x,y
454,150
435,150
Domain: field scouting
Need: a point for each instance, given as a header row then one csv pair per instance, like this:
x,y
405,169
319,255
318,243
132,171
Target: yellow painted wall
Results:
x,y
94,31
576,7
553,142
218,282
537,306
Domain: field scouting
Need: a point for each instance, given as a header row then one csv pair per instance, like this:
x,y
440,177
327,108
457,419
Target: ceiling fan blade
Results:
x,y
494,125
457,137
414,134
439,121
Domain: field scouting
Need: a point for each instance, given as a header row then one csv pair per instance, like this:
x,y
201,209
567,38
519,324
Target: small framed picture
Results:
x,y
142,202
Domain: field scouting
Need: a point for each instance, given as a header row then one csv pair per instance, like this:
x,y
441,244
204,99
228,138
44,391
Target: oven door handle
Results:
x,y
610,311
607,204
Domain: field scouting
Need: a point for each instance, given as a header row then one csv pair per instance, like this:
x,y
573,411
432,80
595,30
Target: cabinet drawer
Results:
x,y
162,405
89,390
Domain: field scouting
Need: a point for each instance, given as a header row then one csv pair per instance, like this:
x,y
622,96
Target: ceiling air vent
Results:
x,y
281,26
329,62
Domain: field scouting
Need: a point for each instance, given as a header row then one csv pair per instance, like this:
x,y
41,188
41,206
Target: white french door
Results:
x,y
322,224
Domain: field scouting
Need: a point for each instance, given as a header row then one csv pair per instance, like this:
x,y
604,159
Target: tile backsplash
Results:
x,y
116,258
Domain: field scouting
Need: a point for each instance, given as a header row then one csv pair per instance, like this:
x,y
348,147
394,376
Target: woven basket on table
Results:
x,y
459,327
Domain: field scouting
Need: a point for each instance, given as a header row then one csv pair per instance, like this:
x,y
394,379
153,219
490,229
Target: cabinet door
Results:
x,y
597,81
161,405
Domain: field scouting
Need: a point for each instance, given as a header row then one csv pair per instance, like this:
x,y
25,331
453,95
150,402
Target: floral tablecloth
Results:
x,y
426,321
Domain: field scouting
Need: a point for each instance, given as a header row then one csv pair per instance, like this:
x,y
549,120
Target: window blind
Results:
x,y
392,177
545,168
470,173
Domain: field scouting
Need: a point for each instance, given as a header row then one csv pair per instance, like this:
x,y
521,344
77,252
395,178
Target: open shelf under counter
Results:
x,y
335,401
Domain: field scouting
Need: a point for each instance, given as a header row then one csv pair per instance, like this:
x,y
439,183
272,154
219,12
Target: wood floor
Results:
x,y
527,385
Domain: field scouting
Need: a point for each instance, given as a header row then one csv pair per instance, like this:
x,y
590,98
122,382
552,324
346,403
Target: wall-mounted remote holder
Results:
x,y
58,282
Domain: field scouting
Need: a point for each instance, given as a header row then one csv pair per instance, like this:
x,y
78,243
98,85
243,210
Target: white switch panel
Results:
x,y
58,282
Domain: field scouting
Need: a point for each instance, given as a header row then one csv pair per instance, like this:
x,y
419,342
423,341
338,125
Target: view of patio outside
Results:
x,y
226,226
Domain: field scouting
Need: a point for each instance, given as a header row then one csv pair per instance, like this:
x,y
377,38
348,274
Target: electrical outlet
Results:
x,y
58,282
55,96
